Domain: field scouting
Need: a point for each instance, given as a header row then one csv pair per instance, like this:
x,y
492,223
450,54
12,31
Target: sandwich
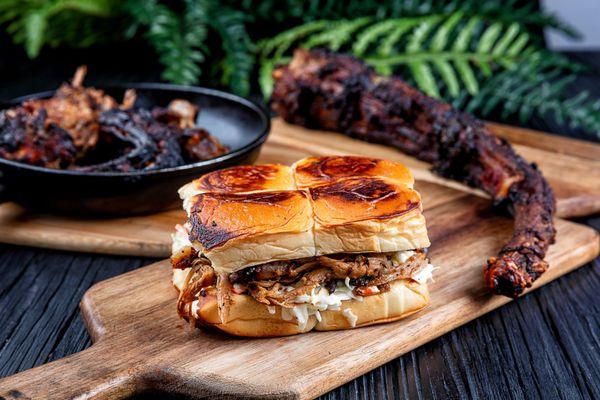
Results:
x,y
329,243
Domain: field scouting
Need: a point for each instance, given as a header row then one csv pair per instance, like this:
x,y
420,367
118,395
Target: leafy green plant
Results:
x,y
238,62
482,55
180,31
179,35
180,39
35,23
507,11
536,85
177,39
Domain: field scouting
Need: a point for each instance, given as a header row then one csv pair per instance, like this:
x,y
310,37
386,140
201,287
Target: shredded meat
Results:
x,y
25,137
75,109
319,89
223,296
184,258
85,129
270,283
280,283
200,279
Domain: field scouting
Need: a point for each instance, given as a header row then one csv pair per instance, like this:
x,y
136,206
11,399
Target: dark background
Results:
x,y
545,345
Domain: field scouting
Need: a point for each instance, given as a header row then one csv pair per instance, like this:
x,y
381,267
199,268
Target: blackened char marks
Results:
x,y
184,258
264,197
150,144
210,231
353,190
85,129
370,191
210,234
27,138
323,90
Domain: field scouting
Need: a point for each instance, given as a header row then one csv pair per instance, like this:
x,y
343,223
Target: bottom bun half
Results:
x,y
247,317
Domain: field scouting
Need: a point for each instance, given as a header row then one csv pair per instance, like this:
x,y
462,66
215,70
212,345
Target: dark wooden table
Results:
x,y
545,345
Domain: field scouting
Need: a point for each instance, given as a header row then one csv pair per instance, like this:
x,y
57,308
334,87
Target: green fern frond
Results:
x,y
265,77
337,34
422,74
388,43
265,74
371,34
177,40
526,14
463,39
238,63
34,23
535,85
444,68
282,42
443,33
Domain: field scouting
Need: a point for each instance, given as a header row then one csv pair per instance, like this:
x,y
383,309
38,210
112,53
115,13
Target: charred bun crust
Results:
x,y
248,215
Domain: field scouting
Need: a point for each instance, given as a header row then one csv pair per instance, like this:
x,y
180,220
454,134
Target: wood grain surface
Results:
x,y
572,167
141,343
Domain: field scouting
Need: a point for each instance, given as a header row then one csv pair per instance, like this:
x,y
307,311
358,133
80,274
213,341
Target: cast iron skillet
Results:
x,y
238,123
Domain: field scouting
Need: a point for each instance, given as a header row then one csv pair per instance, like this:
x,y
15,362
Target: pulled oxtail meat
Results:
x,y
148,144
85,129
184,258
27,139
324,90
75,109
201,281
281,282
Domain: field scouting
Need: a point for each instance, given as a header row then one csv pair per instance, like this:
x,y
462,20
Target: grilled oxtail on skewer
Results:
x,y
324,90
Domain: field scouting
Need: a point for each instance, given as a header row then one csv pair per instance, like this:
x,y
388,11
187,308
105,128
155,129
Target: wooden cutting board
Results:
x,y
141,344
572,167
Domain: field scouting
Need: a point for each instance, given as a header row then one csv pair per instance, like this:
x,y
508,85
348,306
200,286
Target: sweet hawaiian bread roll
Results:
x,y
367,215
238,230
330,243
314,171
242,179
242,224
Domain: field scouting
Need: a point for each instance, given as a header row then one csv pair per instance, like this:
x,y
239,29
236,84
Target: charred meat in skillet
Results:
x,y
85,129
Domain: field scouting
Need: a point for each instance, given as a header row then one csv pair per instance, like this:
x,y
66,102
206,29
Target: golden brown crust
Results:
x,y
218,218
314,171
247,317
359,199
235,231
242,179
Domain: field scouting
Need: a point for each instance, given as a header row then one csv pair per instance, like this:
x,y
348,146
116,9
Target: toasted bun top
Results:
x,y
249,215
314,171
242,179
360,199
218,218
